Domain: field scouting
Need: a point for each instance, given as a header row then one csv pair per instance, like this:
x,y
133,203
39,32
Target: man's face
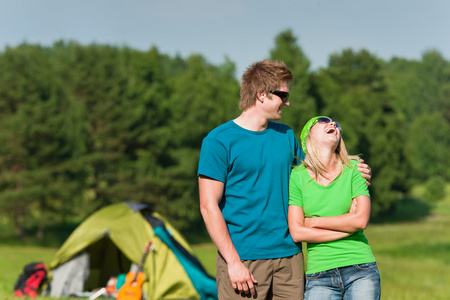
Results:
x,y
275,105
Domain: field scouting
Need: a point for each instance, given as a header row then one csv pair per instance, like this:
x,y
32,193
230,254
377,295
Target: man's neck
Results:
x,y
252,121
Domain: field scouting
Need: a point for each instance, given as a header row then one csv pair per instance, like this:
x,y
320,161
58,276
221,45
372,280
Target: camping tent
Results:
x,y
112,240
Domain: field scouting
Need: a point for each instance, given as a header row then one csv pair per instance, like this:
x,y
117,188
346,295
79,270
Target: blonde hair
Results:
x,y
263,75
313,162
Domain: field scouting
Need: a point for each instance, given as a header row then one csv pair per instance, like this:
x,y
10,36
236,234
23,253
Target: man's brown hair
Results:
x,y
263,76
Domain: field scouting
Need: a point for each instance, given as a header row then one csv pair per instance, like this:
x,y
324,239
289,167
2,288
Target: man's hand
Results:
x,y
366,171
241,278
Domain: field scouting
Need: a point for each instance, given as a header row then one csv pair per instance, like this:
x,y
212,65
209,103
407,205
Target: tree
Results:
x,y
36,176
428,143
422,93
202,97
302,104
353,91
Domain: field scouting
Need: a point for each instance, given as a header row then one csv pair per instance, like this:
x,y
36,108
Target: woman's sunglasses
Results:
x,y
284,96
323,120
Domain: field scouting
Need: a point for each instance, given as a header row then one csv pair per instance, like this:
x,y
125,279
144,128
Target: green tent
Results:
x,y
112,240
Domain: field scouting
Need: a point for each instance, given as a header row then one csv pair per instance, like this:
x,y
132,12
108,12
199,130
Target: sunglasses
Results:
x,y
284,96
323,120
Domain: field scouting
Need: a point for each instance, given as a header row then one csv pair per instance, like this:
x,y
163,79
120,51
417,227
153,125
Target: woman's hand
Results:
x,y
308,222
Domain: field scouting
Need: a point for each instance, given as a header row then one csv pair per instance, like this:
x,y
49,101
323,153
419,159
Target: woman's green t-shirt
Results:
x,y
327,201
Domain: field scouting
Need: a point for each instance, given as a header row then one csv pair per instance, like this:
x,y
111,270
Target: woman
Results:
x,y
329,206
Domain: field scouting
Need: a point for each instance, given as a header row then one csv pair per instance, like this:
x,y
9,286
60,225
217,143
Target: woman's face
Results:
x,y
325,134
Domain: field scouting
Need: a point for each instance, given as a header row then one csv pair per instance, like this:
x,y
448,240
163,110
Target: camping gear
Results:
x,y
132,288
110,242
34,276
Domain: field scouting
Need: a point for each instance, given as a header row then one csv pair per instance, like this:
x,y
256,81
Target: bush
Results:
x,y
434,189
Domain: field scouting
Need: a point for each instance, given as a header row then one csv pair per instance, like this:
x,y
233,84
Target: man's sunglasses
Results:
x,y
284,96
323,120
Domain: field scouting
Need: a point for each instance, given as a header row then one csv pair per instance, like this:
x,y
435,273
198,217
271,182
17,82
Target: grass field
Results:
x,y
413,255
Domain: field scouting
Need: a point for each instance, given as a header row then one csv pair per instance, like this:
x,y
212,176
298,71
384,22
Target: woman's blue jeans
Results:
x,y
353,282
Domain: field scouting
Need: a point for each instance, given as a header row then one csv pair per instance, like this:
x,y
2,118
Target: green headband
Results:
x,y
307,128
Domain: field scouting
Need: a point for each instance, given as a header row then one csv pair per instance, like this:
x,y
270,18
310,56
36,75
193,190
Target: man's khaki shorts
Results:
x,y
279,278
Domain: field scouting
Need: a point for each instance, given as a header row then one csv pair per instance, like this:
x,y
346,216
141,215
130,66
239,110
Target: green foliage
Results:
x,y
36,171
421,90
428,145
302,103
435,189
84,126
353,91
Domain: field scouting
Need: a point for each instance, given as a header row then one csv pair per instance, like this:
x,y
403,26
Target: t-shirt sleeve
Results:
x,y
359,186
213,159
295,193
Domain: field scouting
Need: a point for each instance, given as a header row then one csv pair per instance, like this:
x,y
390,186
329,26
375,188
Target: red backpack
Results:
x,y
33,277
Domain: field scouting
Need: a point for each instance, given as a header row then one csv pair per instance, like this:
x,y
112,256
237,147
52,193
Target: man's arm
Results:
x,y
355,220
210,195
301,233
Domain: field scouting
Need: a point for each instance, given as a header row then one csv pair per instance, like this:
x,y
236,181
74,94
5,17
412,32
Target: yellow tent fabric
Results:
x,y
130,232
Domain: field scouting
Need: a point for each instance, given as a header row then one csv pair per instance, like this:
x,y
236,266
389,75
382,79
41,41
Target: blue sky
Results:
x,y
242,30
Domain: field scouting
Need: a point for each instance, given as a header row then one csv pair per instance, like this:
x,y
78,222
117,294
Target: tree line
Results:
x,y
84,126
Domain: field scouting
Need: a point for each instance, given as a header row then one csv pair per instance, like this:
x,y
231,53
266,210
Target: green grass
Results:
x,y
12,261
413,256
206,254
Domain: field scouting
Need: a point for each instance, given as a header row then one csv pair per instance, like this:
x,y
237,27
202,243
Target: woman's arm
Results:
x,y
350,222
301,233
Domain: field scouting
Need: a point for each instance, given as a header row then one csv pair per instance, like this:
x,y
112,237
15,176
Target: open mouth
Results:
x,y
331,130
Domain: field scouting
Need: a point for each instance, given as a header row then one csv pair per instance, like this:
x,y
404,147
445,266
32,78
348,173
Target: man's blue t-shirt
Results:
x,y
255,167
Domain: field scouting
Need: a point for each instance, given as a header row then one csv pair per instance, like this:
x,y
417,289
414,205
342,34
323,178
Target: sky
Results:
x,y
243,31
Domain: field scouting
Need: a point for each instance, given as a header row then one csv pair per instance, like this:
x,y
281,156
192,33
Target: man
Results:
x,y
243,176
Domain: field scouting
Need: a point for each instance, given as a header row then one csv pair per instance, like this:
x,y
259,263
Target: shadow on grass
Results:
x,y
405,210
54,236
